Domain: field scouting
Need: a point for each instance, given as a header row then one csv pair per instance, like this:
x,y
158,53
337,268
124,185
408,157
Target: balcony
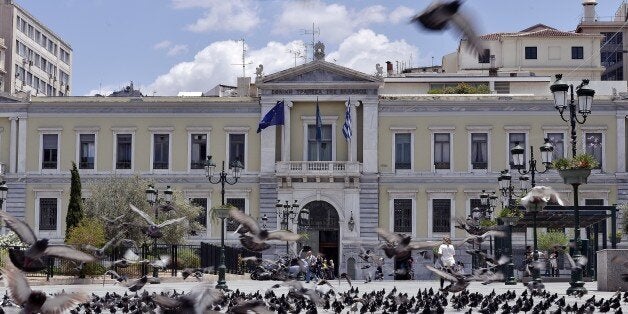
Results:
x,y
318,169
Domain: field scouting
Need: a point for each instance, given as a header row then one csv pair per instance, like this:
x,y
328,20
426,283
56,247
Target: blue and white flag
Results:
x,y
273,117
319,123
346,128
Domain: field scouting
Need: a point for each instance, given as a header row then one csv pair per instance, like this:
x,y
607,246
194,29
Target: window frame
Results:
x,y
237,130
207,194
402,194
558,130
485,56
56,194
595,129
161,130
199,130
86,131
517,129
479,129
531,53
244,193
394,132
115,133
577,52
440,194
42,132
442,130
325,120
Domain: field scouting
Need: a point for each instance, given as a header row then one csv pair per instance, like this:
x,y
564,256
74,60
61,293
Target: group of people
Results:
x,y
551,267
317,266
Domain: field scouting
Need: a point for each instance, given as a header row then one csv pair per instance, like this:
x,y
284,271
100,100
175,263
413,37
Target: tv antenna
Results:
x,y
315,31
244,63
298,54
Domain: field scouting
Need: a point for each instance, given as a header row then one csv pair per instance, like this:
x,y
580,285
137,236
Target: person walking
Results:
x,y
446,251
553,261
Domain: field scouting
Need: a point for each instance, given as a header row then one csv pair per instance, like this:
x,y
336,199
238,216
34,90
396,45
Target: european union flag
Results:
x,y
272,117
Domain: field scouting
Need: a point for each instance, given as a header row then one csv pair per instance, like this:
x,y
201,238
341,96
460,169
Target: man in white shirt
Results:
x,y
446,251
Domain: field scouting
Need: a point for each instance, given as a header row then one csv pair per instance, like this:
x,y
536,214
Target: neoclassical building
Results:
x,y
413,163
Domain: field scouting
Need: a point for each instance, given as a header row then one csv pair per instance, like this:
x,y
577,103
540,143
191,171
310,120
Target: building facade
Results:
x,y
38,61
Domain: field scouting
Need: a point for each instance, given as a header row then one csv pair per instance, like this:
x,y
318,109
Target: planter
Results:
x,y
575,176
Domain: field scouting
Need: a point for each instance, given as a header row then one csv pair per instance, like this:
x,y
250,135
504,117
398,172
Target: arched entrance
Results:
x,y
323,230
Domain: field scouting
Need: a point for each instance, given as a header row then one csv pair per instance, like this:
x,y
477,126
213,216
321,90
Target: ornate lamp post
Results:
x,y
221,179
290,212
518,161
563,98
152,197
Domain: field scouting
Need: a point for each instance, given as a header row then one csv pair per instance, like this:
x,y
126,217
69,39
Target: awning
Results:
x,y
563,217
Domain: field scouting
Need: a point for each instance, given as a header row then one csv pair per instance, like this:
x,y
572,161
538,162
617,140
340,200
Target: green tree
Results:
x,y
75,207
110,198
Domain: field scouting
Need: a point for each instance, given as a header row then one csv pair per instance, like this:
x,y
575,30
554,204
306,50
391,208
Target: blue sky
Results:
x,y
167,46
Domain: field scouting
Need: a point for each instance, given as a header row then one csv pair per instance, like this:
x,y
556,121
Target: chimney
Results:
x,y
589,10
389,68
244,86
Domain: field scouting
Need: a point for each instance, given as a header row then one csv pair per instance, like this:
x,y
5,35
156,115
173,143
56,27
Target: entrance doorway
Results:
x,y
323,231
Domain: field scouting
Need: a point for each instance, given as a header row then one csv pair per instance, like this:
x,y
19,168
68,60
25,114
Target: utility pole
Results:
x,y
244,63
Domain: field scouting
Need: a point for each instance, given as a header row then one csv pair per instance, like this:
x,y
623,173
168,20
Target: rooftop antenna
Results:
x,y
315,31
298,54
244,63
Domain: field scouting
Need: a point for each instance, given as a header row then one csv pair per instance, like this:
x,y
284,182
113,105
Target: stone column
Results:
x,y
353,149
268,142
285,134
21,148
369,135
13,146
621,143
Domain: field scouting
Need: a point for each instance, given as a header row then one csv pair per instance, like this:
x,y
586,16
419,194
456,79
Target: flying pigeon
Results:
x,y
539,196
400,247
196,301
38,248
478,239
440,15
99,253
154,230
458,281
258,235
138,284
37,301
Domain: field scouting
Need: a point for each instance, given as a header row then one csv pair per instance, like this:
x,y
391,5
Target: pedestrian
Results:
x,y
528,261
446,251
332,269
309,261
553,258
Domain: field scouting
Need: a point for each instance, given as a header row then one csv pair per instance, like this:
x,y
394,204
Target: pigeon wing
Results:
x,y
570,259
63,301
166,302
418,245
67,252
248,243
245,220
283,235
142,214
111,242
17,283
464,26
389,237
129,255
444,275
23,231
494,233
171,221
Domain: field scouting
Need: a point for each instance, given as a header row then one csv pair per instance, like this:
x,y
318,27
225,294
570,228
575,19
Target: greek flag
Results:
x,y
319,124
346,128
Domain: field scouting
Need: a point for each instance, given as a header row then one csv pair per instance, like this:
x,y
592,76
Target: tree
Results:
x,y
110,198
75,207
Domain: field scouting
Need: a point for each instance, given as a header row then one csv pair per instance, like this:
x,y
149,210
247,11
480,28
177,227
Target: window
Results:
x,y
236,147
513,140
50,154
402,215
441,150
403,151
530,52
161,151
240,204
594,145
441,215
593,202
558,141
577,52
198,151
612,38
479,150
485,56
124,151
319,151
87,153
202,217
474,203
47,214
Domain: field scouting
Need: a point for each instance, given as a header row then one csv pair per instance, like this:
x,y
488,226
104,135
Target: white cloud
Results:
x,y
177,50
401,14
232,15
215,65
162,45
335,21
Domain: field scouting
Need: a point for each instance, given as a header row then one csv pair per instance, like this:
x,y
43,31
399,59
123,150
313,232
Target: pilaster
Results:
x,y
13,145
268,143
369,135
21,148
621,143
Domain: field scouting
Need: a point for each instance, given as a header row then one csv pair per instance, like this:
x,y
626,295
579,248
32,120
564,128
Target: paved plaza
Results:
x,y
410,287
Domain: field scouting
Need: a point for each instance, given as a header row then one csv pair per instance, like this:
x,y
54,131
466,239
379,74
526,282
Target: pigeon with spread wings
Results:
x,y
256,237
38,248
154,230
539,196
400,246
440,15
458,281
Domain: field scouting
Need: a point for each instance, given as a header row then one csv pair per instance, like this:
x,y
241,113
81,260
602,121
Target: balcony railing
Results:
x,y
318,168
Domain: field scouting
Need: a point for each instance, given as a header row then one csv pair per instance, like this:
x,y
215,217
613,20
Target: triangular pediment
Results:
x,y
319,72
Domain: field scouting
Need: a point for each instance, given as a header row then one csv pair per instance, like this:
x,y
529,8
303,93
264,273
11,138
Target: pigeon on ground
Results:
x,y
196,301
154,230
38,248
539,196
37,301
440,15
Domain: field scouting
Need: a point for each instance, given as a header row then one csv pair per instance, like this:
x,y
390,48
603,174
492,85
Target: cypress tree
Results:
x,y
75,207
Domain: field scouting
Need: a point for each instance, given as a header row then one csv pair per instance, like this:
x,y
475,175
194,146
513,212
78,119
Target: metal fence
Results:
x,y
181,256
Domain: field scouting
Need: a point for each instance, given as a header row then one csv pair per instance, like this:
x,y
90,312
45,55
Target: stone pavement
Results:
x,y
410,287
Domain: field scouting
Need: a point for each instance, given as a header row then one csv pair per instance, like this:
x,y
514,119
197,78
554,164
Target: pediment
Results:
x,y
319,72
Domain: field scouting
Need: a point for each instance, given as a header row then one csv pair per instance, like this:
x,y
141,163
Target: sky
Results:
x,y
168,46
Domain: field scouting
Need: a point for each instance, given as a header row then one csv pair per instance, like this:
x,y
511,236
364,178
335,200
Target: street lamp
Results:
x,y
221,179
585,95
518,161
152,197
290,212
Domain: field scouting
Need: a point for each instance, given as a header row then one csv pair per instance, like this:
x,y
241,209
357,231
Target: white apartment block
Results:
x,y
37,61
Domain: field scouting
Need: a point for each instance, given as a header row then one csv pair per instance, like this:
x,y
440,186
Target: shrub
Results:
x,y
89,231
549,240
188,260
582,161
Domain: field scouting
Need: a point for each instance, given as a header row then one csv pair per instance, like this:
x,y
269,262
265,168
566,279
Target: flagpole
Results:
x,y
284,138
350,151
